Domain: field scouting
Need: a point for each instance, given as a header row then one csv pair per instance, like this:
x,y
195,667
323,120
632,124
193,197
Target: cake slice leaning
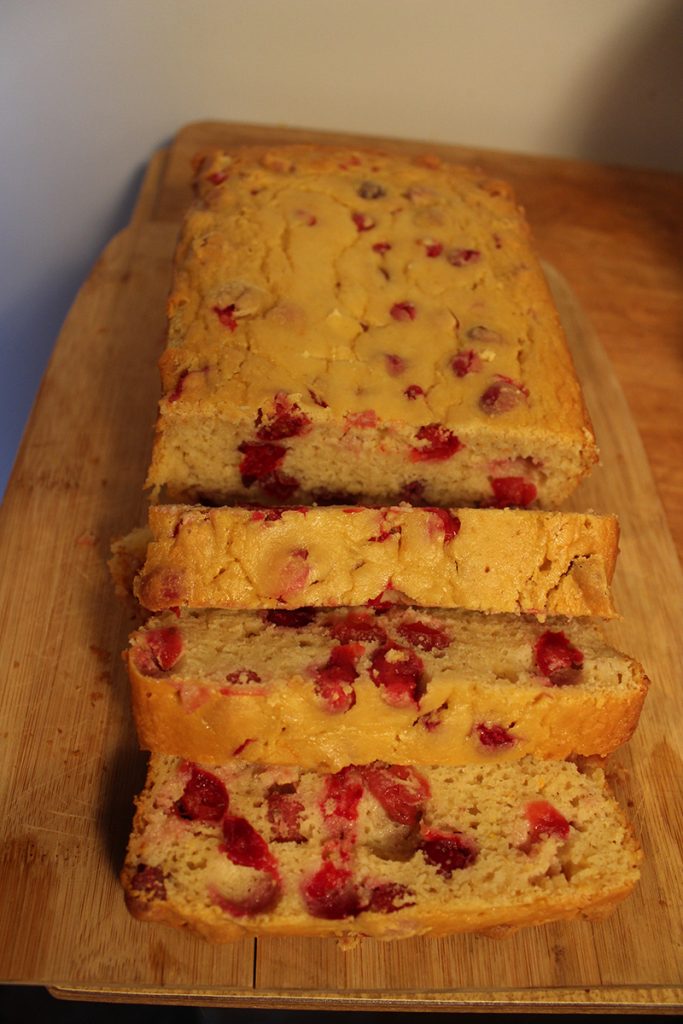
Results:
x,y
492,560
325,688
381,850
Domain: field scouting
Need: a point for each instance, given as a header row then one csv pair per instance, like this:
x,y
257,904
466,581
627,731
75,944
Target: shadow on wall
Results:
x,y
638,106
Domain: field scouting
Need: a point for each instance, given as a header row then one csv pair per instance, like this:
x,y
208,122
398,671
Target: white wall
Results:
x,y
89,88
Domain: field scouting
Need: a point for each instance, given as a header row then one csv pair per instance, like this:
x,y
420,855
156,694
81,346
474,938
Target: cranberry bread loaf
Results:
x,y
493,560
380,850
365,325
322,689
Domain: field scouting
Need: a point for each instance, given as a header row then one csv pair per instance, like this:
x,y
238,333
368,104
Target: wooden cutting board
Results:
x,y
68,756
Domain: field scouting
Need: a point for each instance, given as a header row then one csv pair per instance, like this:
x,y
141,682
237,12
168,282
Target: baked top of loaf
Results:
x,y
385,851
493,560
323,689
331,296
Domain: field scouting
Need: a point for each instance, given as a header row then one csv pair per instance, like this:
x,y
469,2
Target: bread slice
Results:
x,y
366,326
323,689
522,561
382,851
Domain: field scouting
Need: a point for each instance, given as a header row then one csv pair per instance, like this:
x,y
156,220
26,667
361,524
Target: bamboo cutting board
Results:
x,y
69,760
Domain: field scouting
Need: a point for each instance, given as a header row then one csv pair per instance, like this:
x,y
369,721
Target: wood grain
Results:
x,y
68,759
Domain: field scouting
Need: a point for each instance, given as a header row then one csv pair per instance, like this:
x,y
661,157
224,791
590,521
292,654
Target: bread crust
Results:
x,y
491,921
519,561
283,719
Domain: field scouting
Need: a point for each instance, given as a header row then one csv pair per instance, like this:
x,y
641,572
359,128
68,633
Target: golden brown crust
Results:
x,y
479,559
489,922
282,719
222,726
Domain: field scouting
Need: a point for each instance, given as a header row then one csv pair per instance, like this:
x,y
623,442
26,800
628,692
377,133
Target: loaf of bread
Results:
x,y
354,326
378,850
323,689
493,560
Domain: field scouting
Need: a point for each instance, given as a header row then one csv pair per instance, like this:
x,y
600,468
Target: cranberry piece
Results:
x,y
466,362
440,445
342,794
244,846
395,365
204,798
494,736
149,880
359,627
400,790
334,681
545,820
403,311
400,674
262,897
449,522
432,249
243,675
366,418
413,391
447,851
370,190
165,646
226,316
424,636
463,257
388,897
178,389
362,221
294,618
331,893
287,421
217,177
381,247
260,460
502,396
267,515
294,574
284,813
557,658
512,490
